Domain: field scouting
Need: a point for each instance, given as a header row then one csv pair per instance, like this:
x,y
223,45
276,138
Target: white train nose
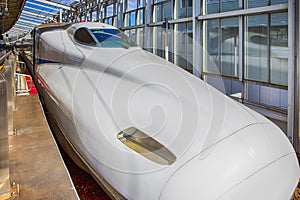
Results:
x,y
257,162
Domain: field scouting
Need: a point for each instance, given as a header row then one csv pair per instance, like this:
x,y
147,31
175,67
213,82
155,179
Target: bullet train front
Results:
x,y
152,130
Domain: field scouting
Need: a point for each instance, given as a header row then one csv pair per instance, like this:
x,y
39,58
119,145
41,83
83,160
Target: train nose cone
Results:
x,y
257,162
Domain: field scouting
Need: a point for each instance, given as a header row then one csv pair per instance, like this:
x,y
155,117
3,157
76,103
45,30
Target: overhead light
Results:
x,y
6,13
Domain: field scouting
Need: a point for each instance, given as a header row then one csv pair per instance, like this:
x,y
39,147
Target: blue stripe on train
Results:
x,y
42,61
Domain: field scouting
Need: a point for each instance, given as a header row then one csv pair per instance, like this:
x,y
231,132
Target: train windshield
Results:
x,y
112,38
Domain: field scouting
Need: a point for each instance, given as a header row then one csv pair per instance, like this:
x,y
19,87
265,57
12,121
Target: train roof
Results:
x,y
63,26
92,25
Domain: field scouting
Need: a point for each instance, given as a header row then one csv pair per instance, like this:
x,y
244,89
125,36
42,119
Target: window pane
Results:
x,y
256,48
157,13
158,41
210,42
140,17
141,3
229,46
167,10
190,47
132,18
183,8
279,48
180,8
229,5
131,5
256,3
131,35
140,37
278,1
180,50
261,94
127,19
94,16
110,10
225,85
212,6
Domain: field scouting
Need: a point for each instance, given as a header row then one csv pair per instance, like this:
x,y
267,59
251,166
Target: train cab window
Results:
x,y
146,146
108,37
83,36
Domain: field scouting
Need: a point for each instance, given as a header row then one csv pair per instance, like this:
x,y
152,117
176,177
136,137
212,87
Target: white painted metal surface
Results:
x,y
223,149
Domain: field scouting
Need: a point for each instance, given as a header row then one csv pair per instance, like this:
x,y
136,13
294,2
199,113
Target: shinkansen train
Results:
x,y
147,129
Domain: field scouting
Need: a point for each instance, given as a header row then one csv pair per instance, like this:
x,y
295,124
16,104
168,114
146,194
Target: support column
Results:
x,y
197,42
297,77
292,90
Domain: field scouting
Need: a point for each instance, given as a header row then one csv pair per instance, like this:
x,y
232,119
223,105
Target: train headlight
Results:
x,y
146,146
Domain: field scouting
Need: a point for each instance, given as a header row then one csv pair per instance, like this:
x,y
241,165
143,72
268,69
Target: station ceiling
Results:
x,y
24,15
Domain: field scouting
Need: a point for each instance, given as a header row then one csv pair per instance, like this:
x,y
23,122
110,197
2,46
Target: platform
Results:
x,y
34,159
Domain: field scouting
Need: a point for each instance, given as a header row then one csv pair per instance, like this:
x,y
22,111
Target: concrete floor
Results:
x,y
34,160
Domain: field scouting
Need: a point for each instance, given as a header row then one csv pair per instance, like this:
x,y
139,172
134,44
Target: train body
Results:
x,y
151,130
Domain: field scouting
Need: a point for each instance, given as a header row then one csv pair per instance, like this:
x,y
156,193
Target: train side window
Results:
x,y
83,36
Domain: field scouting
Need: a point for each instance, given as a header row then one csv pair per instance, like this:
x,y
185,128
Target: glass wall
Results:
x,y
183,45
110,14
267,48
256,48
133,13
183,8
249,52
279,48
162,10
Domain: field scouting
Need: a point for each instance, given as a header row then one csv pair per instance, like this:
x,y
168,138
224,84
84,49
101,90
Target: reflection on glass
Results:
x,y
228,86
131,5
256,3
158,41
183,8
180,45
190,47
279,48
140,37
211,47
167,10
112,38
256,48
157,13
229,47
141,3
131,34
132,18
183,46
261,94
126,20
110,10
229,5
212,6
140,17
278,1
94,16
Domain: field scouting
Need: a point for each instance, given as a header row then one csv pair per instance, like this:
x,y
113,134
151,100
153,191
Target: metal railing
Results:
x,y
7,91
